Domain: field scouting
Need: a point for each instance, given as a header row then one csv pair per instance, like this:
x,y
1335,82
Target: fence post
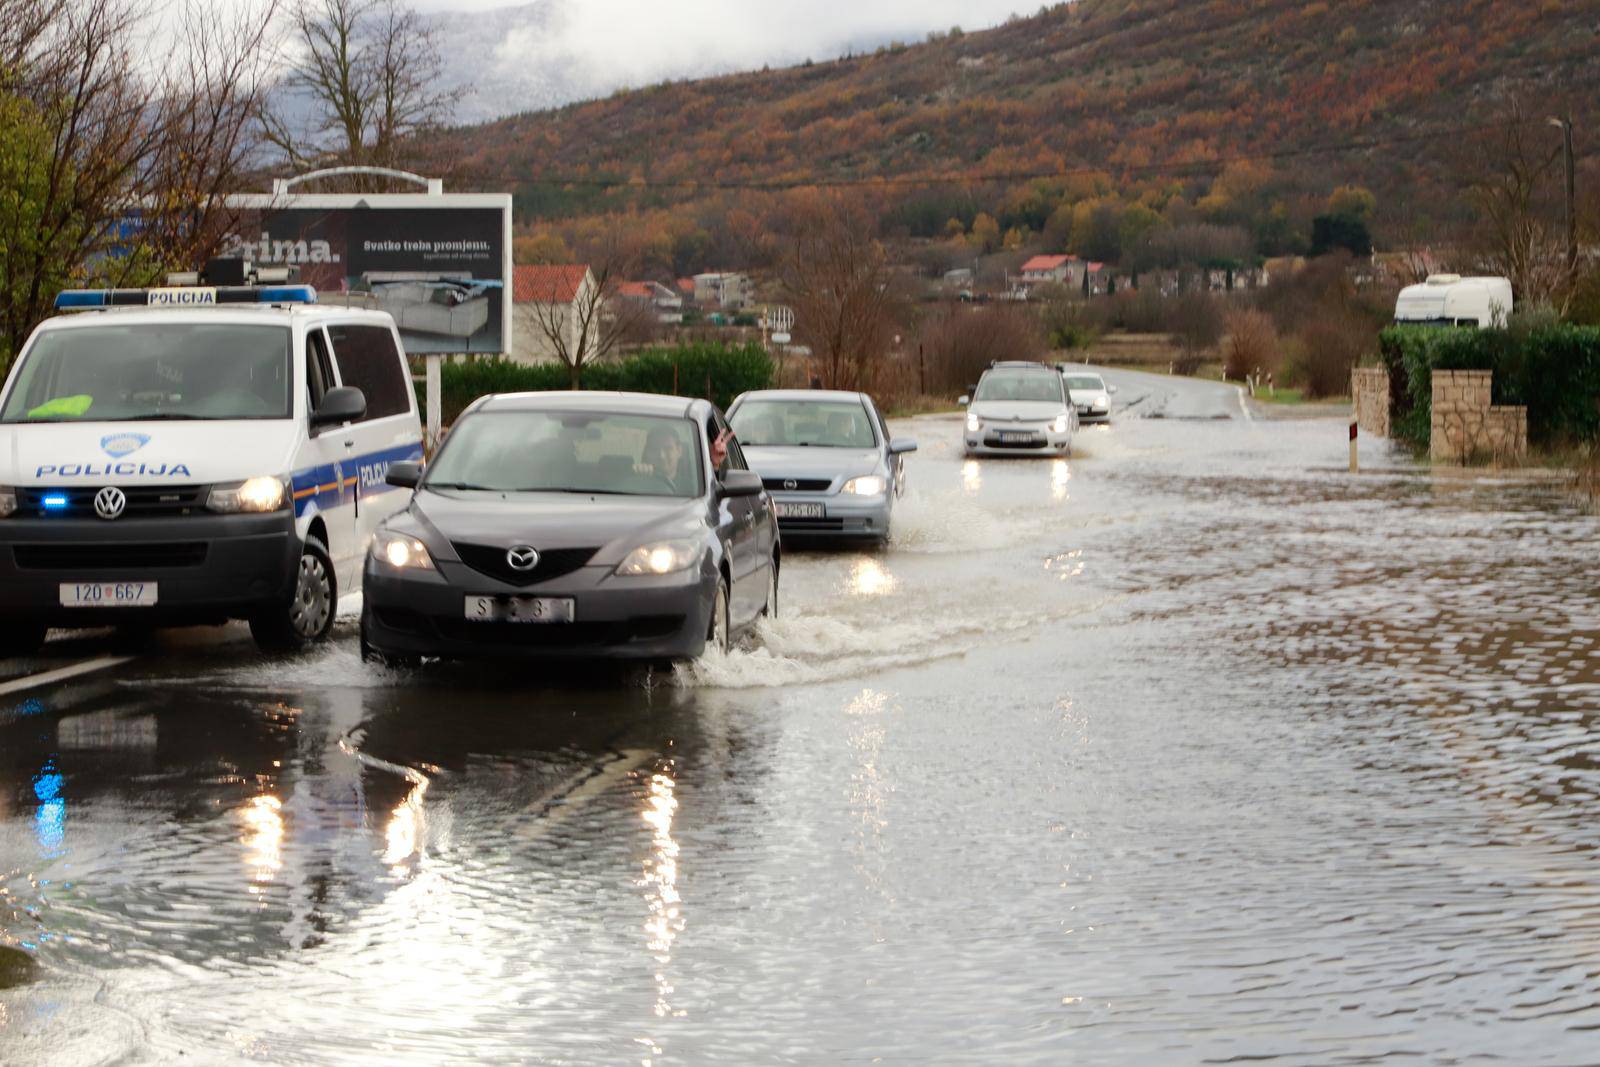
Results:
x,y
1355,465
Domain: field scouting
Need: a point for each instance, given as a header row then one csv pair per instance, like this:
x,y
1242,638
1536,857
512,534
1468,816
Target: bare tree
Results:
x,y
838,278
369,71
1511,185
589,324
113,175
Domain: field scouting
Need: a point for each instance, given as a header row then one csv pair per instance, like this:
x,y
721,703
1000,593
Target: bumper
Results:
x,y
637,619
205,568
844,516
987,443
1094,415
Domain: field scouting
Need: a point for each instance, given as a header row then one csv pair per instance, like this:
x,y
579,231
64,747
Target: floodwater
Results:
x,y
1192,748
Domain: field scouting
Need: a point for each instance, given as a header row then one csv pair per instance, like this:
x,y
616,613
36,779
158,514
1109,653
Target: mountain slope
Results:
x,y
1142,90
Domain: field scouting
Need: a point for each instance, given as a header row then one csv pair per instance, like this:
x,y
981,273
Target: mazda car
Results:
x,y
827,459
574,525
1019,409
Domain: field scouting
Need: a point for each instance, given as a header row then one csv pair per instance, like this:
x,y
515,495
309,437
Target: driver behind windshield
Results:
x,y
663,456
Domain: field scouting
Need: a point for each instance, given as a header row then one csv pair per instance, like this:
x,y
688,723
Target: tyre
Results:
x,y
770,609
20,638
719,634
308,616
384,659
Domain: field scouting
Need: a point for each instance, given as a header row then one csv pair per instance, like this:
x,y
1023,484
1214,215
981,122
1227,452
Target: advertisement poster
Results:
x,y
438,263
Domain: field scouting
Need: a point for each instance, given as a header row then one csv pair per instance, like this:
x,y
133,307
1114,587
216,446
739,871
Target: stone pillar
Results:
x,y
1466,426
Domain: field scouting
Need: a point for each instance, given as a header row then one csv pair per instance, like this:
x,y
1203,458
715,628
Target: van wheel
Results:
x,y
308,616
719,635
20,638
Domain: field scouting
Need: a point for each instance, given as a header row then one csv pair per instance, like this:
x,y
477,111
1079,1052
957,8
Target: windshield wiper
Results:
x,y
161,416
466,486
580,492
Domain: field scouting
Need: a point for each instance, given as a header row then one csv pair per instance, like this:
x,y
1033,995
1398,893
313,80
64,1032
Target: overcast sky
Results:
x,y
637,42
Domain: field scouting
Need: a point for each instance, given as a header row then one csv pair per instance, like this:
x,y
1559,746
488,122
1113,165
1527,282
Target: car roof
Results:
x,y
816,395
591,400
1018,364
285,314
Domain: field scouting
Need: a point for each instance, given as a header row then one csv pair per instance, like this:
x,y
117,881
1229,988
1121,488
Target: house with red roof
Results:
x,y
546,298
1061,270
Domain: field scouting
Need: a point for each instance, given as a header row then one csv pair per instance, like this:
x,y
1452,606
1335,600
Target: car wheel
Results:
x,y
719,635
770,609
384,659
308,616
20,638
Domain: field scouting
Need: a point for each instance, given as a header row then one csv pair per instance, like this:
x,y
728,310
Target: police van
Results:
x,y
213,450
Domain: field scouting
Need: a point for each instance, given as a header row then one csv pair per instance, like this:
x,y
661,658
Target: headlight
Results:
x,y
974,424
866,485
662,557
251,495
8,501
401,552
1061,424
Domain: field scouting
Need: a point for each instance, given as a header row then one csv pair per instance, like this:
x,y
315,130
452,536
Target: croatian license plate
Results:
x,y
1016,437
108,594
801,511
520,609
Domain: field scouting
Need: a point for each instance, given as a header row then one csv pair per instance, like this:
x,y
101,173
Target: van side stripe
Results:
x,y
335,485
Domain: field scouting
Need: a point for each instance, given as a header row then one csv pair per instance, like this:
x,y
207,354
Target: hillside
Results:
x,y
1142,99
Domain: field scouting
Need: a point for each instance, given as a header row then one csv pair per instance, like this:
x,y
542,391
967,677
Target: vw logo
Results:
x,y
522,558
109,502
790,483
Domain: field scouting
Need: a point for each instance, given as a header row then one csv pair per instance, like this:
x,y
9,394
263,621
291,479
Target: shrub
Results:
x,y
1252,346
1196,329
1329,349
1553,368
958,343
718,371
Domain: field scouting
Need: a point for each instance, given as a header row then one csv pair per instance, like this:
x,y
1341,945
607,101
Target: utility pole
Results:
x,y
1565,123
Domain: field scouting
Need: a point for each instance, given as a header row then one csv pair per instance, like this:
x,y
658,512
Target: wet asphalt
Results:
x,y
1191,748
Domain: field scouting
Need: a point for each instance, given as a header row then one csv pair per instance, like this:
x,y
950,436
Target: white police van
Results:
x,y
198,453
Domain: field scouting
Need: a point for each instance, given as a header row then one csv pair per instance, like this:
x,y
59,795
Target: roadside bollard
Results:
x,y
1355,466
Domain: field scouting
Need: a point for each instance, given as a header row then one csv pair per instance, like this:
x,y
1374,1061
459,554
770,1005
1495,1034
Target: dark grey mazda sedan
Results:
x,y
576,525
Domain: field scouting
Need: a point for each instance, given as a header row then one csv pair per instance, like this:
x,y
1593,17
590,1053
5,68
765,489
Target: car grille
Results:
x,y
491,561
119,556
144,501
559,635
801,485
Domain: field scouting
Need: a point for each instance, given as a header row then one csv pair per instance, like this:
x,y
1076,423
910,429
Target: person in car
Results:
x,y
663,457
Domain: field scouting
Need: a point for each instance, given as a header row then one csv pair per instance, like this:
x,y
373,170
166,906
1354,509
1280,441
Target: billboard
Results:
x,y
439,263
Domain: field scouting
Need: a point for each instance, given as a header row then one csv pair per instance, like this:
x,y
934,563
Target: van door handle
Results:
x,y
349,444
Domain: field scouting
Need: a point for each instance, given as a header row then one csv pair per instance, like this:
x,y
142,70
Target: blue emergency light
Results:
x,y
185,296
54,502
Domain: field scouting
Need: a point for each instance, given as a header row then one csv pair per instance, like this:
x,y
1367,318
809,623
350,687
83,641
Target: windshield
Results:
x,y
129,372
811,423
1020,385
1086,382
570,452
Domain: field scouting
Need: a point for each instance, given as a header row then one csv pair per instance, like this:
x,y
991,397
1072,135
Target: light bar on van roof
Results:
x,y
185,296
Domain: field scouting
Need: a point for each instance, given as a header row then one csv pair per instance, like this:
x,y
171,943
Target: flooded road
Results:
x,y
1192,748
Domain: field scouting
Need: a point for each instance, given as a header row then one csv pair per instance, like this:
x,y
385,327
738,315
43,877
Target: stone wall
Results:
x,y
1369,392
1465,425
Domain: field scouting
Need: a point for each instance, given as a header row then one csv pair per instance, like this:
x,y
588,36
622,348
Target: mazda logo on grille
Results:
x,y
790,483
522,558
110,502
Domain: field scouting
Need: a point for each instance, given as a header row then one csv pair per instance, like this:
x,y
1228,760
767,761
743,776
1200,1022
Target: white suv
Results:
x,y
1019,409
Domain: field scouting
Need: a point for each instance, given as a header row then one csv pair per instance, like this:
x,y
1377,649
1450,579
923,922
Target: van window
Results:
x,y
319,369
368,360
130,372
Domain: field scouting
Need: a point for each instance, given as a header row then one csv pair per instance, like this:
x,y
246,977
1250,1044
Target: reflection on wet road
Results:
x,y
1188,749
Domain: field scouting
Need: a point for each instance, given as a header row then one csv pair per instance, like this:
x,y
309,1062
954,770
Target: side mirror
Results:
x,y
343,404
964,401
404,475
898,445
739,483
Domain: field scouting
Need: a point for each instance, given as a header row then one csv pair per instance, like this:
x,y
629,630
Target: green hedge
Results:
x,y
1553,368
719,371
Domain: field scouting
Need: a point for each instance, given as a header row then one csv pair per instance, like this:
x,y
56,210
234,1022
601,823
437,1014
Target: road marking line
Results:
x,y
62,674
